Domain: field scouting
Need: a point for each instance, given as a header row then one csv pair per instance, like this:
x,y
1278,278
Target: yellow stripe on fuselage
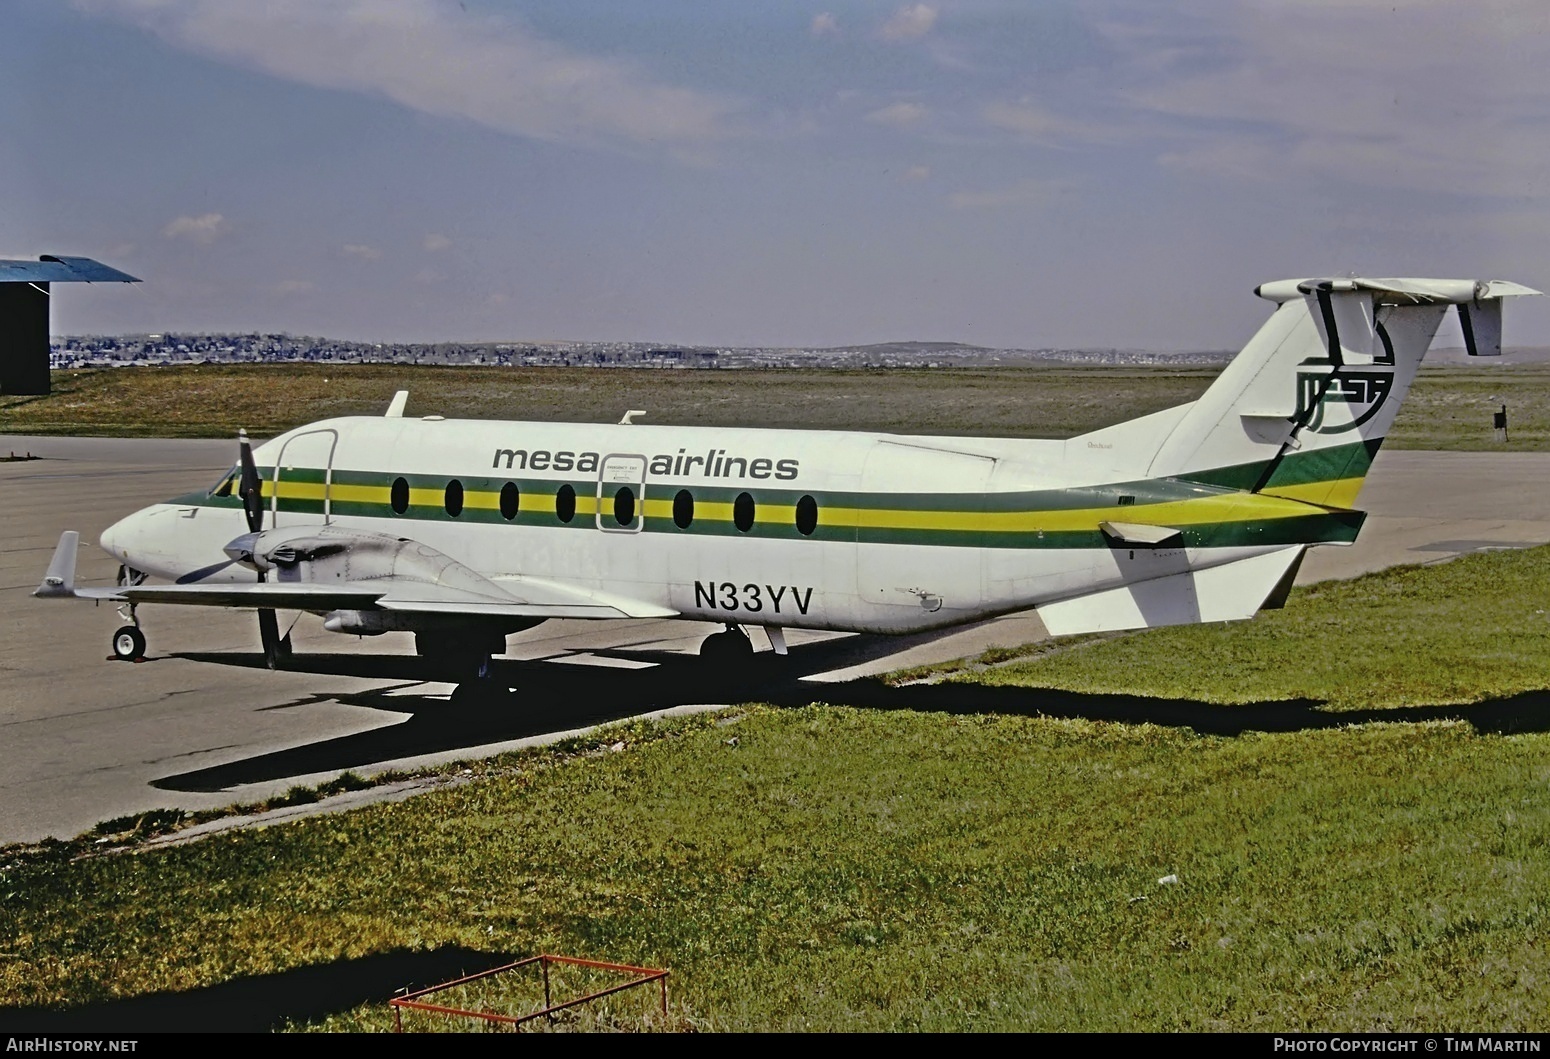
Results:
x,y
1235,507
1286,502
1340,493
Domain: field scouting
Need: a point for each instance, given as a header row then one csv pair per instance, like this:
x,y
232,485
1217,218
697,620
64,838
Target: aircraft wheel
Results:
x,y
481,692
726,651
129,644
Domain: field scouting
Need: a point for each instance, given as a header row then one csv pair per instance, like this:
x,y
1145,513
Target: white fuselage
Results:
x,y
904,533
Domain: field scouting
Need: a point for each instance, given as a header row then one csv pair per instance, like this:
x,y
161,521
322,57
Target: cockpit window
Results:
x,y
227,484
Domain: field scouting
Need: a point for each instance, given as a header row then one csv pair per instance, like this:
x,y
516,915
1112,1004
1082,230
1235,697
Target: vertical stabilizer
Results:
x,y
1301,411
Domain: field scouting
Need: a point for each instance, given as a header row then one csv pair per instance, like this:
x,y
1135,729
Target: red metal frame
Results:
x,y
644,975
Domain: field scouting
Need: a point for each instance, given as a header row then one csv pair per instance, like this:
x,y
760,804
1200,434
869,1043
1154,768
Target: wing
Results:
x,y
384,573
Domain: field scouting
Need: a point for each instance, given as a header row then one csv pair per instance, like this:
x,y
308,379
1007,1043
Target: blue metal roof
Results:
x,y
52,268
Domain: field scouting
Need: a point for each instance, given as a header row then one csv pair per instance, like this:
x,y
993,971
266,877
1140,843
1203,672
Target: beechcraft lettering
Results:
x,y
714,464
1198,513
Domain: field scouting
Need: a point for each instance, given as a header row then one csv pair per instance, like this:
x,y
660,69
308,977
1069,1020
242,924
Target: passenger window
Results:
x,y
398,496
565,503
742,512
624,506
683,509
807,516
454,498
511,501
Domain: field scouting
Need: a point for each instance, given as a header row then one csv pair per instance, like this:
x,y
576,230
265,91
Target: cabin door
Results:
x,y
303,482
621,493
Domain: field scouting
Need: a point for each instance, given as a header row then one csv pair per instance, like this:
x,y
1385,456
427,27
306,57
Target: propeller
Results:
x,y
250,489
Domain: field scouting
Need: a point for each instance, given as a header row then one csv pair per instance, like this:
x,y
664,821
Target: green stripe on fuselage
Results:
x,y
1296,468
996,520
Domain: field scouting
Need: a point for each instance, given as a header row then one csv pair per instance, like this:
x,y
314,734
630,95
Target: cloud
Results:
x,y
439,59
917,173
1024,193
435,242
358,250
824,25
1031,121
292,287
204,229
1428,96
909,22
899,115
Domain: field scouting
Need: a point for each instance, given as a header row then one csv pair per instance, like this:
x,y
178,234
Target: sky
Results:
x,y
1065,173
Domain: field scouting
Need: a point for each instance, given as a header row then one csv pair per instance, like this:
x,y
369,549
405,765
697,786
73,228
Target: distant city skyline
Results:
x,y
1069,174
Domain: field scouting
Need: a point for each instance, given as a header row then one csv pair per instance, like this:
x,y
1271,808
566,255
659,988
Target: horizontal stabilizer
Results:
x,y
1407,291
1228,592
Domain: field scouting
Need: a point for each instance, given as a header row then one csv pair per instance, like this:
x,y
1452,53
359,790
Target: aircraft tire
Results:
x,y
726,652
129,644
480,692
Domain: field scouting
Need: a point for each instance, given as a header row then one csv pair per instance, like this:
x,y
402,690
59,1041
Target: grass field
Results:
x,y
1449,407
1352,794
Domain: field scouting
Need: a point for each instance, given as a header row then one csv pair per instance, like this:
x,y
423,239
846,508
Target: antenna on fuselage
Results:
x,y
629,417
395,408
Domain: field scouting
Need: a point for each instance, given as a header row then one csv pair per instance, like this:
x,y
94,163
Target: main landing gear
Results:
x,y
465,658
727,652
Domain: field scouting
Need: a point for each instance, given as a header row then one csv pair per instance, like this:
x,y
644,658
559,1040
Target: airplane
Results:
x,y
464,532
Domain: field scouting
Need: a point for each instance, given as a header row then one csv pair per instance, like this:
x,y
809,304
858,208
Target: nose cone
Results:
x,y
115,539
133,540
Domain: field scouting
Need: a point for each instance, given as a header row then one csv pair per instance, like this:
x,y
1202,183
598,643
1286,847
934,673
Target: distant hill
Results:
x,y
1510,355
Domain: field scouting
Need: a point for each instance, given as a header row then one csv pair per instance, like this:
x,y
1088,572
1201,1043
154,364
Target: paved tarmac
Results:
x,y
201,724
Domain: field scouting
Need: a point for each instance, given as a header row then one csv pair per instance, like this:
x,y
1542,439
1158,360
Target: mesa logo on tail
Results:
x,y
1316,390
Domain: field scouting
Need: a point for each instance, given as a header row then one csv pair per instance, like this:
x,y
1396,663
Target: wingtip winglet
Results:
x,y
59,579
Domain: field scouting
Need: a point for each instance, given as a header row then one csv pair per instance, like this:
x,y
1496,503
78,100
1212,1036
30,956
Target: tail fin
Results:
x,y
1301,411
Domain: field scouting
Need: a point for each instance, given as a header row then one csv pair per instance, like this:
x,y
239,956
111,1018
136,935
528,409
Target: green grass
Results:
x,y
1448,408
1468,630
942,867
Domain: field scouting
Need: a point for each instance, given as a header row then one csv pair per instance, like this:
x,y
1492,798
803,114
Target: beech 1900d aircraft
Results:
x,y
463,532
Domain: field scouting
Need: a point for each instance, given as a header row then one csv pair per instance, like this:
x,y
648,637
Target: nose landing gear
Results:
x,y
129,644
129,641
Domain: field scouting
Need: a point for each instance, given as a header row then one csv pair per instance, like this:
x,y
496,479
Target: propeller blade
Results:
x,y
249,487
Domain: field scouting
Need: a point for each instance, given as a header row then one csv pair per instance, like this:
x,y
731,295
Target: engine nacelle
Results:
x,y
363,622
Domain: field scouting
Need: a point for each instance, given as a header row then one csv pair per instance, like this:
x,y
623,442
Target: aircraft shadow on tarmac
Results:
x,y
552,696
264,1003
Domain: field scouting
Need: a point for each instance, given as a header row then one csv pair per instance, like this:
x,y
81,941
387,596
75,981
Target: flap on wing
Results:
x,y
269,595
502,610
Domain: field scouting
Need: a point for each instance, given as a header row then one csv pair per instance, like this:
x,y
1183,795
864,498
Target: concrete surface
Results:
x,y
200,723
